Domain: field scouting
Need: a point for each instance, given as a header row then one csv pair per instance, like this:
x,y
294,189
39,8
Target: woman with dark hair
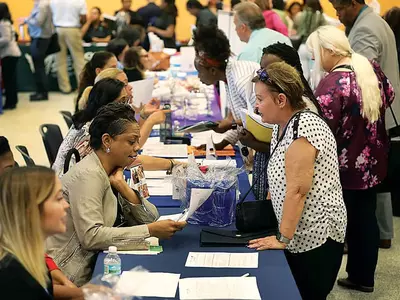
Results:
x,y
204,15
306,22
294,9
118,47
100,61
9,54
164,26
213,63
136,62
95,30
102,93
105,211
392,17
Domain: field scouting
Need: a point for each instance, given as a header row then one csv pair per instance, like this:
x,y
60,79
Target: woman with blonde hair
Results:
x,y
304,183
354,97
32,208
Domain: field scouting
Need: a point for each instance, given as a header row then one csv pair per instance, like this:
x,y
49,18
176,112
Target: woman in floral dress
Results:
x,y
354,97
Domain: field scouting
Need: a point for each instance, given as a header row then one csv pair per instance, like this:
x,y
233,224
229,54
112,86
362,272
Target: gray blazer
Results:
x,y
91,216
8,44
372,37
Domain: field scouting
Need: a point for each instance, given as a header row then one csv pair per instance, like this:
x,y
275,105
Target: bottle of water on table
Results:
x,y
112,262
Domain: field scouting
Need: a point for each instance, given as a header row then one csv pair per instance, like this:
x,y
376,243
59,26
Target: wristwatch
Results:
x,y
283,239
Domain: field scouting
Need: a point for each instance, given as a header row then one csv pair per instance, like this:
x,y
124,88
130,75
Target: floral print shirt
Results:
x,y
363,147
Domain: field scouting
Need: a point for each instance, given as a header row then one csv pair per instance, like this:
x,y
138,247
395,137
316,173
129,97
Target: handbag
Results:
x,y
254,216
394,153
54,46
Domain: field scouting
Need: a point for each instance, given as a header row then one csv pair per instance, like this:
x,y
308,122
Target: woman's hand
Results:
x,y
223,126
59,278
269,242
152,29
151,107
158,117
165,229
117,178
246,138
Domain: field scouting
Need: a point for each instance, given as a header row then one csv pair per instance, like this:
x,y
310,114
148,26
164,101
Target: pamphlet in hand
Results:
x,y
199,127
253,123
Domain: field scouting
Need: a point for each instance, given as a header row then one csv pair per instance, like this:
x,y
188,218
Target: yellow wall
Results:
x,y
21,8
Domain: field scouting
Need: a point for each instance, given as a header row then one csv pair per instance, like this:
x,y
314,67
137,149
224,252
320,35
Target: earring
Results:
x,y
108,150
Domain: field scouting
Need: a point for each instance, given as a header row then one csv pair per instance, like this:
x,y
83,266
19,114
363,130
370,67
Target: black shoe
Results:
x,y
346,283
39,97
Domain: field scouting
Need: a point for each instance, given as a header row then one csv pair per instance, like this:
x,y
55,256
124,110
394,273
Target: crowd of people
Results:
x,y
325,170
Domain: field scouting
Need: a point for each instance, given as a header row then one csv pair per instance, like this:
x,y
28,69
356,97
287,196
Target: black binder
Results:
x,y
225,238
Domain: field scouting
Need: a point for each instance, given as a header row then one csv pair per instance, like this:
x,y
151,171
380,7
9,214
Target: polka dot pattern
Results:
x,y
324,213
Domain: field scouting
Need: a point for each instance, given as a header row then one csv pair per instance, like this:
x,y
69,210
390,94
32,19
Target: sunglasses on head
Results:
x,y
264,77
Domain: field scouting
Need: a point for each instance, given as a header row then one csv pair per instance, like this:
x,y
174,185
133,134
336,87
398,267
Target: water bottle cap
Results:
x,y
112,249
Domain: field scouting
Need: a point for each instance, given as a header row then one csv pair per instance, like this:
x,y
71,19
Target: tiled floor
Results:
x,y
21,126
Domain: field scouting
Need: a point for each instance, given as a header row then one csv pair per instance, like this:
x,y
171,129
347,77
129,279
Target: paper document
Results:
x,y
166,151
142,91
175,217
222,260
199,127
147,284
197,198
207,288
253,123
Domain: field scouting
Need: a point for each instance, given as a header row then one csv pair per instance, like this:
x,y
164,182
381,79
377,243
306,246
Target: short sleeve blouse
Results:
x,y
324,214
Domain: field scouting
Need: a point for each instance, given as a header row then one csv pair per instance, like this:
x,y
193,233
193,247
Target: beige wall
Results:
x,y
21,8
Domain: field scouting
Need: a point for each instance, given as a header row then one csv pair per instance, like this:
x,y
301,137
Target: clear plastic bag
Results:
x,y
105,287
219,209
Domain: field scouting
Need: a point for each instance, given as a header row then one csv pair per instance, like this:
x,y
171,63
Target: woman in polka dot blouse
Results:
x,y
303,176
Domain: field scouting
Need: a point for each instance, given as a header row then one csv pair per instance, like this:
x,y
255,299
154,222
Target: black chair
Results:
x,y
67,117
52,139
25,155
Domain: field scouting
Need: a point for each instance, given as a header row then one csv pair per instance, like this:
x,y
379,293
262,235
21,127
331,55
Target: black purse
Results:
x,y
54,46
255,216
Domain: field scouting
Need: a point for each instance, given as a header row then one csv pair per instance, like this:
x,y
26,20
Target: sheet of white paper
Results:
x,y
205,288
159,187
197,198
142,91
187,59
155,174
174,217
142,284
222,260
166,151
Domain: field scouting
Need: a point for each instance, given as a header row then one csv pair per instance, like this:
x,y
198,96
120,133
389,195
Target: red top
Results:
x,y
273,21
51,265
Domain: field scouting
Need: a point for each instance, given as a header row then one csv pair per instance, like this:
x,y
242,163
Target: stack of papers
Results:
x,y
143,284
166,151
222,260
219,288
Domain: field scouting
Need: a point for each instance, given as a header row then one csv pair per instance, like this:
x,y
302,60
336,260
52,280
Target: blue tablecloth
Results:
x,y
274,277
244,186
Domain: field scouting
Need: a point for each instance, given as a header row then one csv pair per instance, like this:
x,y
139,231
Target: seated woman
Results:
x,y
164,26
118,47
95,30
32,208
105,91
304,183
136,62
100,61
97,218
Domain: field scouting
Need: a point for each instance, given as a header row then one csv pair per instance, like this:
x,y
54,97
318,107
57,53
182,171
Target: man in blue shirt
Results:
x,y
250,27
40,27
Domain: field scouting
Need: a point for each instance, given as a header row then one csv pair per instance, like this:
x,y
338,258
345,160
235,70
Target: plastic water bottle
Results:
x,y
112,262
166,127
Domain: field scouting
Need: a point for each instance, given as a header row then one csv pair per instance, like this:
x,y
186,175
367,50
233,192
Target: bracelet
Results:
x,y
169,172
142,115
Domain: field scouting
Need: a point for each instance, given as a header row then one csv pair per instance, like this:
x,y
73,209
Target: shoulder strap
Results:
x,y
296,118
71,152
